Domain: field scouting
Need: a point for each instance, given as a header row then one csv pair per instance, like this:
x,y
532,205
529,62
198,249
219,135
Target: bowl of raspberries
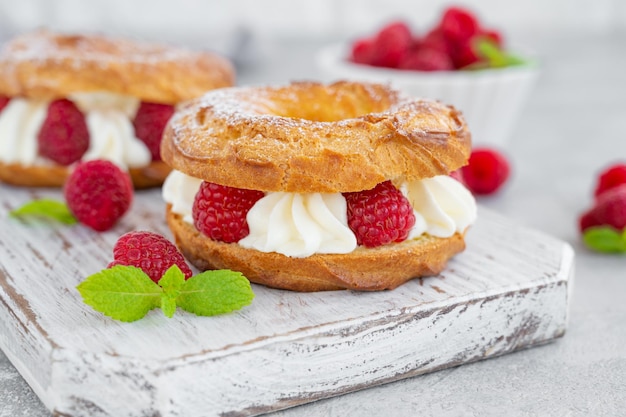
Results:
x,y
458,61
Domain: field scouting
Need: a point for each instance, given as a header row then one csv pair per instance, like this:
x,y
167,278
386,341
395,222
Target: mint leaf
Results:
x,y
124,293
605,239
215,292
46,208
171,282
492,56
168,306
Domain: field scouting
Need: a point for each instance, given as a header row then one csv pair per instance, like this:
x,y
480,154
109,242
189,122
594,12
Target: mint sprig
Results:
x,y
127,294
46,208
491,55
605,239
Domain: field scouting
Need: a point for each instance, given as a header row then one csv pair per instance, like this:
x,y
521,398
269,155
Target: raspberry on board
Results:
x,y
379,216
149,123
486,171
98,193
150,252
63,137
220,212
611,177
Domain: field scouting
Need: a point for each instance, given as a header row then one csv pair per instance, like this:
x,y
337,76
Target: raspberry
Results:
x,y
98,193
486,171
609,210
611,177
458,25
363,51
63,137
426,59
149,123
463,54
379,216
435,40
220,211
391,44
494,35
151,252
4,100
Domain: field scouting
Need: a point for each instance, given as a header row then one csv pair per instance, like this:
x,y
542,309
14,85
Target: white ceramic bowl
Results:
x,y
490,99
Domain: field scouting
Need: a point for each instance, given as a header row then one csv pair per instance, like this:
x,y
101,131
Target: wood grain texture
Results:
x,y
509,290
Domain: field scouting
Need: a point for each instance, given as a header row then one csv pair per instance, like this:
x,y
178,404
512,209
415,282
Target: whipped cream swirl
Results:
x,y
180,190
20,122
441,204
299,225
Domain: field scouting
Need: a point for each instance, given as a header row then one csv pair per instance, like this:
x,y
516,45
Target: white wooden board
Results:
x,y
509,290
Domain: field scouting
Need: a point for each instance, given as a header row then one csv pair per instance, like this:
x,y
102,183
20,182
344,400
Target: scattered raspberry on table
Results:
x,y
609,210
486,172
611,177
98,193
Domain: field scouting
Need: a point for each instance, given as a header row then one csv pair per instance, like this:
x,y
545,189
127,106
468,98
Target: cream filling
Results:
x,y
20,121
300,225
180,190
442,206
109,122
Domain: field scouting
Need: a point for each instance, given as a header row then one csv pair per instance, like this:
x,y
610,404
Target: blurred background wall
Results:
x,y
212,21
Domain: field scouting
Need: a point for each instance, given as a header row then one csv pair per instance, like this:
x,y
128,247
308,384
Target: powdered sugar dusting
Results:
x,y
271,106
44,45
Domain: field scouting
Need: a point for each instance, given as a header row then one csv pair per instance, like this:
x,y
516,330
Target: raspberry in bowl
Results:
x,y
458,61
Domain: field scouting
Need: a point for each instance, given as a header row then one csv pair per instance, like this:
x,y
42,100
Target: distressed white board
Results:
x,y
509,290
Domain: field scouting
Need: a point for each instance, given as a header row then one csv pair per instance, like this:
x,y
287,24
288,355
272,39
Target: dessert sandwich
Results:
x,y
69,98
311,187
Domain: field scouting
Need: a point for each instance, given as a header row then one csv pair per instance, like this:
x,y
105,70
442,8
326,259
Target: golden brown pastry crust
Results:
x,y
50,65
311,137
365,269
152,175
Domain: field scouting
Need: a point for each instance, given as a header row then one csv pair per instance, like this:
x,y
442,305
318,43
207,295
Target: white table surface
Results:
x,y
571,127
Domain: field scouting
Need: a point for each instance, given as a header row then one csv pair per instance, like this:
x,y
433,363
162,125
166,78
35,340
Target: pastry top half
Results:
x,y
312,137
49,65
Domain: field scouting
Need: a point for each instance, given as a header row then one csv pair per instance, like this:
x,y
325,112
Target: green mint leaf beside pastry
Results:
x,y
47,209
126,293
